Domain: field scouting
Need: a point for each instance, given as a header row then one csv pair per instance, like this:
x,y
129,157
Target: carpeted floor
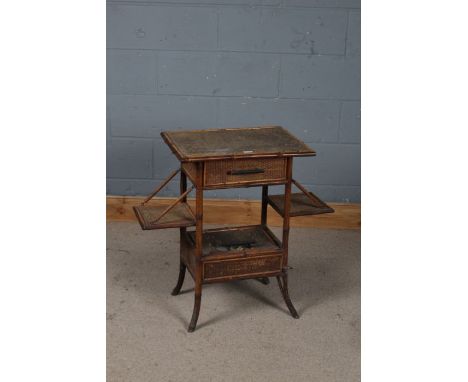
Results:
x,y
244,332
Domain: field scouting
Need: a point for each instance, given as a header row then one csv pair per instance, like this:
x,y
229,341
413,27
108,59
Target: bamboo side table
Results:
x,y
227,158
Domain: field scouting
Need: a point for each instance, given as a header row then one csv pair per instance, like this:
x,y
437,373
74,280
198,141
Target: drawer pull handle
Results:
x,y
246,171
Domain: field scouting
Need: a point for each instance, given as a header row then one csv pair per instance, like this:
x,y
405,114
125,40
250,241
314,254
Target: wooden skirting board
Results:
x,y
240,212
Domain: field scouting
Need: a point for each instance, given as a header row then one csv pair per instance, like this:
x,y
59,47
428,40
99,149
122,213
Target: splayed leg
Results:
x,y
283,285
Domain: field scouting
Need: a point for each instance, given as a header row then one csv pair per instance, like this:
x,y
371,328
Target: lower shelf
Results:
x,y
179,216
245,239
300,205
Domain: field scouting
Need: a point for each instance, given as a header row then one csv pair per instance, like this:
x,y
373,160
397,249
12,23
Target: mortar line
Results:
x,y
346,35
339,123
152,157
120,137
217,111
279,75
227,51
217,28
233,96
157,72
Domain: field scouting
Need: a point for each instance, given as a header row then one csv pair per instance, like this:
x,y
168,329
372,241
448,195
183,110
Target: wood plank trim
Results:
x,y
241,212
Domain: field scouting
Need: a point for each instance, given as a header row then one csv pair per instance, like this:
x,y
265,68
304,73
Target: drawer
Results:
x,y
242,268
244,171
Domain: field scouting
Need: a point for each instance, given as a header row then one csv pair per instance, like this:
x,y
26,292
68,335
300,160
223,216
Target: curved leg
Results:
x,y
283,285
196,308
180,281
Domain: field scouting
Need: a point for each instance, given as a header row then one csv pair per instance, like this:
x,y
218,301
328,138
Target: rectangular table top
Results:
x,y
246,142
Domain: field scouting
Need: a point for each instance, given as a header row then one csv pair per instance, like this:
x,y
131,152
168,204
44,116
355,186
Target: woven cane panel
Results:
x,y
300,204
218,172
179,216
241,268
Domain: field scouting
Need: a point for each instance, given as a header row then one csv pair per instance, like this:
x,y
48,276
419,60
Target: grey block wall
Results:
x,y
195,64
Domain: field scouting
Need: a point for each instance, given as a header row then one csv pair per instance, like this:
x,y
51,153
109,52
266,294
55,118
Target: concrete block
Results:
x,y
254,193
320,77
140,187
148,115
284,30
350,122
126,187
161,27
222,74
353,41
309,120
131,72
130,158
335,164
324,3
164,161
118,187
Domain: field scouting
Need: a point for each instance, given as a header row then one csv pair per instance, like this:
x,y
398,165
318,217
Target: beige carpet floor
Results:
x,y
244,332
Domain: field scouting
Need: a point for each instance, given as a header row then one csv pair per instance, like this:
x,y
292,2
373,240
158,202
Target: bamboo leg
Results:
x,y
283,279
196,307
264,280
180,280
287,208
198,246
264,205
183,230
283,285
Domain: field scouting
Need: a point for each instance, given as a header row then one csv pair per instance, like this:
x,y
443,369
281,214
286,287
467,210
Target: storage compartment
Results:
x,y
238,252
245,239
242,172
